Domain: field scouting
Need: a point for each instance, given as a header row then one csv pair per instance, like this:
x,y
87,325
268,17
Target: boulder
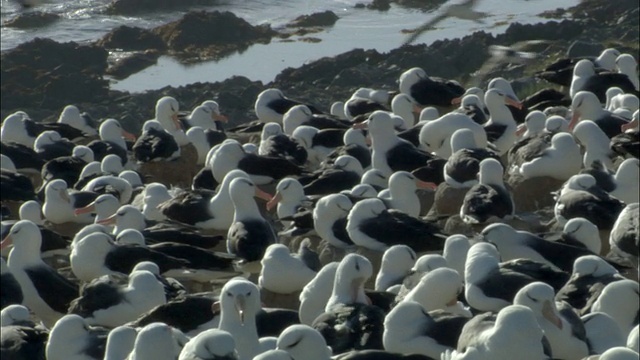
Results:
x,y
31,20
52,74
211,35
130,63
325,18
534,193
131,38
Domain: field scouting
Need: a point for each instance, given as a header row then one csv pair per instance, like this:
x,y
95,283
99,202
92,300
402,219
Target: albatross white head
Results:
x,y
348,287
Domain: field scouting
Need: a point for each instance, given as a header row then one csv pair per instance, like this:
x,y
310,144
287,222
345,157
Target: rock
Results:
x,y
32,20
447,200
131,63
534,193
211,35
47,74
583,48
128,38
325,18
129,7
380,5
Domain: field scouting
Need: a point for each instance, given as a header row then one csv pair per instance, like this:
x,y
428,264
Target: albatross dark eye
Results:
x,y
534,300
249,293
229,293
357,266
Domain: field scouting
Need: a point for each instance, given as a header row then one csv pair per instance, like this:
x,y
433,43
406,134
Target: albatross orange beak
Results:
x,y
517,104
261,194
127,135
85,210
108,221
274,201
176,121
219,117
426,185
574,120
8,240
521,129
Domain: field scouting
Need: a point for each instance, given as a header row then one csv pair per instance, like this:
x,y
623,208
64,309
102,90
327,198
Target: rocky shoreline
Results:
x,y
42,76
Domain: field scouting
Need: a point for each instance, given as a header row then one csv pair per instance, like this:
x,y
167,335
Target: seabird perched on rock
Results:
x,y
112,141
586,106
330,219
283,272
46,292
371,225
250,234
300,115
50,145
561,71
349,322
435,135
489,198
155,144
20,337
491,285
410,329
463,166
397,262
157,341
71,338
401,194
619,299
589,276
439,290
262,169
561,325
515,244
106,303
239,305
625,233
273,142
560,161
580,197
513,331
390,153
429,91
271,105
211,344
585,78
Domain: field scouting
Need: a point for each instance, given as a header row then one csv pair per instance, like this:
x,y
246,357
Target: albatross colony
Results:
x,y
376,235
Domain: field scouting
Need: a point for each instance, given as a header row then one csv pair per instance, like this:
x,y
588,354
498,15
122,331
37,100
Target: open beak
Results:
x,y
274,201
512,102
241,305
85,210
456,101
108,221
574,120
261,194
127,135
521,129
176,121
219,117
6,242
549,314
426,185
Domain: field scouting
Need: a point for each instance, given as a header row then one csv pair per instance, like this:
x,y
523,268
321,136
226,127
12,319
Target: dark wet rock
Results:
x,y
380,5
325,18
424,5
128,7
47,74
534,193
131,38
131,63
211,34
581,48
447,200
31,20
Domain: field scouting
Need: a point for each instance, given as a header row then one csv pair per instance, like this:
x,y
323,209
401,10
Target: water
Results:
x,y
84,20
